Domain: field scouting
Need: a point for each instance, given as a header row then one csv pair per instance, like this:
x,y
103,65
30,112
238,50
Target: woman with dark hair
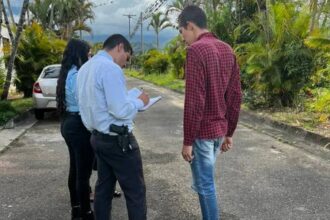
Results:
x,y
76,136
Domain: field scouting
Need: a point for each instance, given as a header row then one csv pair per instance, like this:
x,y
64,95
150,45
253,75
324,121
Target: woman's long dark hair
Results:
x,y
75,53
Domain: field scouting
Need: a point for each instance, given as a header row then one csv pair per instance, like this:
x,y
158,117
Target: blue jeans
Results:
x,y
203,168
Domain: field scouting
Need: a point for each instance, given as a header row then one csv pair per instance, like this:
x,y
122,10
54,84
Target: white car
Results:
x,y
44,90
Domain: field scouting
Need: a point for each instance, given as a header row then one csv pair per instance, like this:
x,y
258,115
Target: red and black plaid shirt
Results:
x,y
213,90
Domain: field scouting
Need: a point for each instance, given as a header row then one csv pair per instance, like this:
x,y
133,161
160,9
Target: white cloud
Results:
x,y
110,19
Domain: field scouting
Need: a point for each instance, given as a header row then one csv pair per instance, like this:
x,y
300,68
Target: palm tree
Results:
x,y
63,16
277,62
42,12
72,16
159,23
321,43
85,13
178,5
14,50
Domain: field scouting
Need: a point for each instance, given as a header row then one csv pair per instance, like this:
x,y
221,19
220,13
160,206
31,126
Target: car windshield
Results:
x,y
52,72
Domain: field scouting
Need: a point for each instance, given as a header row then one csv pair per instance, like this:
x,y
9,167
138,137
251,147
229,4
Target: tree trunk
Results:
x,y
28,17
7,22
11,13
50,26
320,11
214,6
324,21
313,6
157,35
1,44
6,86
1,22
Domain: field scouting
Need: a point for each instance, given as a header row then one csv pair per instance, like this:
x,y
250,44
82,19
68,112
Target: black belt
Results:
x,y
111,134
72,113
103,136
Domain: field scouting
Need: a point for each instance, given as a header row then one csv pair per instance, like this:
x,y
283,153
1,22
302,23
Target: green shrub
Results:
x,y
7,111
277,65
155,61
321,101
6,106
320,42
36,50
177,60
176,50
137,61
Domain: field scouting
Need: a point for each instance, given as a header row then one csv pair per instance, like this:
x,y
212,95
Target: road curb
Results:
x,y
17,119
15,128
254,120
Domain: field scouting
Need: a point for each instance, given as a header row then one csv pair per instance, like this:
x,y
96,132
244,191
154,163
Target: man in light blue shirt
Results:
x,y
103,102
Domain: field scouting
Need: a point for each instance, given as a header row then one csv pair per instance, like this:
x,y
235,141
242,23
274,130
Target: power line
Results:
x,y
103,3
148,12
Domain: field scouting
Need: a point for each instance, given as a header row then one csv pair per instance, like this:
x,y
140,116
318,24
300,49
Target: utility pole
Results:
x,y
130,16
142,43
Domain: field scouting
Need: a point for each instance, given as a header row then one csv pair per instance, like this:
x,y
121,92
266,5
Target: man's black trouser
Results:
x,y
126,167
77,137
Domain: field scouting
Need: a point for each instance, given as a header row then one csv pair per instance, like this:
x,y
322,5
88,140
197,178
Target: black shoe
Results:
x,y
75,213
117,194
91,197
88,216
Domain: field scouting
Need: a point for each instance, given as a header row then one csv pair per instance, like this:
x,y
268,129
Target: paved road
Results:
x,y
261,178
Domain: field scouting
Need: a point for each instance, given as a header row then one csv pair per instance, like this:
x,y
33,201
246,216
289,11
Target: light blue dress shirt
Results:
x,y
70,90
102,95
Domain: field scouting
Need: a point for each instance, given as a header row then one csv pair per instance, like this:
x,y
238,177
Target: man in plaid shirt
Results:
x,y
212,104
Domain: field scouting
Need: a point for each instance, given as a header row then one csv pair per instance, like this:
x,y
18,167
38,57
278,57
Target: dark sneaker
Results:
x,y
117,194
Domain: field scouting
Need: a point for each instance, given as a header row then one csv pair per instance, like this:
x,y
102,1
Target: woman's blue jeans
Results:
x,y
203,168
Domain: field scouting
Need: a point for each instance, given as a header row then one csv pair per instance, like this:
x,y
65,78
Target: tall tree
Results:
x,y
10,12
1,21
4,12
19,30
40,12
159,22
85,13
63,16
178,5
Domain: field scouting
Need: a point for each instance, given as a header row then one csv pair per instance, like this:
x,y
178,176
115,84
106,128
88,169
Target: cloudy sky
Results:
x,y
109,18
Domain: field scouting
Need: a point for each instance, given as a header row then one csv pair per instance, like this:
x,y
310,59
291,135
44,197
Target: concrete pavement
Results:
x,y
15,130
260,178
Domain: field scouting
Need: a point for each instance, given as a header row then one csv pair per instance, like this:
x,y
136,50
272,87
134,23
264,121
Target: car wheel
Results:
x,y
39,114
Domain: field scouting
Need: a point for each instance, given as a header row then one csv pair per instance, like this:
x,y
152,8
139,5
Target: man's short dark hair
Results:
x,y
115,40
192,14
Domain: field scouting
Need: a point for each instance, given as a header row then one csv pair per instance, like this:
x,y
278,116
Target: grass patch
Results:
x,y
11,108
312,121
166,80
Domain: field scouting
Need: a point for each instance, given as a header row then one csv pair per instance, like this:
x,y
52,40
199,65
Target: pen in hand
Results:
x,y
144,97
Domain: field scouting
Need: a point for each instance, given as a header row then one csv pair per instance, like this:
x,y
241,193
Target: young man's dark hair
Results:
x,y
115,40
192,14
